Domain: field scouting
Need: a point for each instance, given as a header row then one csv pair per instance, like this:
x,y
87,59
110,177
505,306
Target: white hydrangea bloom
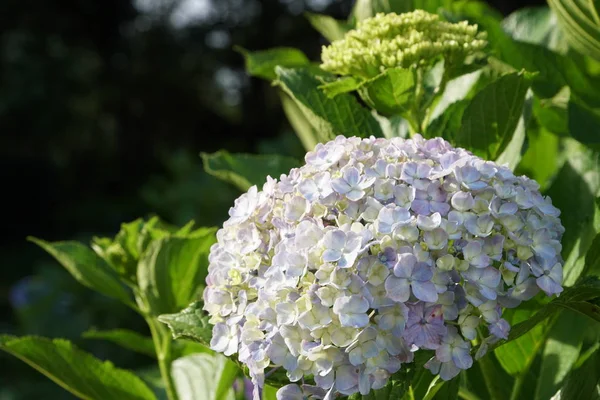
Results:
x,y
374,249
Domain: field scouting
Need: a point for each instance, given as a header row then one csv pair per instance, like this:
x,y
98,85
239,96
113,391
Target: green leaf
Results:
x,y
448,123
75,370
541,160
204,376
536,25
554,70
576,298
443,390
582,382
391,92
341,85
561,351
581,24
191,323
125,338
330,28
342,115
552,113
173,271
489,121
592,259
86,267
496,381
307,133
519,352
262,64
580,175
584,122
246,170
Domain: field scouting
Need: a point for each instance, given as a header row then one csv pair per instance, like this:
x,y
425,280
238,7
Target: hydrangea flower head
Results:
x,y
400,40
338,282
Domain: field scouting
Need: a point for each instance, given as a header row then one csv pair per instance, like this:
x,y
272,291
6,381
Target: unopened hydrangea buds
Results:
x,y
392,40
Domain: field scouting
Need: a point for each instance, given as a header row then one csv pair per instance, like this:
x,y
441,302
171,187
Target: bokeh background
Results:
x,y
104,108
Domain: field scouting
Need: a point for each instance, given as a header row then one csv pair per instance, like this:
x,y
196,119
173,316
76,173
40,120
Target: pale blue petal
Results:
x,y
397,289
424,291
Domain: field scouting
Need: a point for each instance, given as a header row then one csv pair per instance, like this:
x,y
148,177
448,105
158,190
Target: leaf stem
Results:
x,y
516,392
163,345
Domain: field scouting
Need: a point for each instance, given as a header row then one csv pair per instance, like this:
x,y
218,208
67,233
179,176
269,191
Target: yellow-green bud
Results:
x,y
392,40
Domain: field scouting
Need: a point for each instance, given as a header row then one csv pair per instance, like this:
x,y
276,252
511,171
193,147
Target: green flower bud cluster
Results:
x,y
392,40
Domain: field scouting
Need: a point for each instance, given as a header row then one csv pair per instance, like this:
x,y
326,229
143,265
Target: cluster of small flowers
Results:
x,y
344,268
392,40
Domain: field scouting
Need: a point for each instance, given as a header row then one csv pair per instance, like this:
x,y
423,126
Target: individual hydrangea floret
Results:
x,y
400,40
376,249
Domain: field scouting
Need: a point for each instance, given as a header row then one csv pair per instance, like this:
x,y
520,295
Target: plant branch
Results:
x,y
163,345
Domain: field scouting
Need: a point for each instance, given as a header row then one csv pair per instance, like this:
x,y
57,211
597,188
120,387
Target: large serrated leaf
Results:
x,y
75,370
342,115
173,271
191,323
391,92
489,121
262,63
87,268
245,170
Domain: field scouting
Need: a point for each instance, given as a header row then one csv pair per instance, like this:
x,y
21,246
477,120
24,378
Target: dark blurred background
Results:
x,y
104,108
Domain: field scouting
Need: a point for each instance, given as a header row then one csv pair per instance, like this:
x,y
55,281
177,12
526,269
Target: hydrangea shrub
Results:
x,y
395,258
375,249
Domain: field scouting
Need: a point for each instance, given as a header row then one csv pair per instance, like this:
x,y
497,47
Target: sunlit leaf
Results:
x,y
75,370
536,25
490,119
173,271
204,376
87,268
342,115
581,24
560,353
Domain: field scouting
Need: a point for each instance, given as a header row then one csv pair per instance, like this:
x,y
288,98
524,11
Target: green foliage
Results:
x,y
330,28
191,323
580,21
390,93
490,119
342,115
75,370
204,376
87,267
262,64
529,102
172,272
245,170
